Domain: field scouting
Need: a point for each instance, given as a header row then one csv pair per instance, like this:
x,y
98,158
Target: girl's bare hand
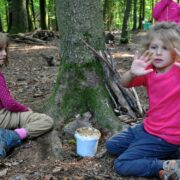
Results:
x,y
140,64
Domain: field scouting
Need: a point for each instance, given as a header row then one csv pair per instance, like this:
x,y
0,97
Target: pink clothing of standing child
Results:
x,y
167,10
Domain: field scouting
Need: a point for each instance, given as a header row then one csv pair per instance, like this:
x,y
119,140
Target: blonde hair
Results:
x,y
4,44
167,32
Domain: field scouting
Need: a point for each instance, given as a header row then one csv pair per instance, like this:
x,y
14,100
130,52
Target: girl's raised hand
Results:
x,y
140,64
177,63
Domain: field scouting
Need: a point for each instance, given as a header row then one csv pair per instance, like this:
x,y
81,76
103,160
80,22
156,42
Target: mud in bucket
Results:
x,y
87,139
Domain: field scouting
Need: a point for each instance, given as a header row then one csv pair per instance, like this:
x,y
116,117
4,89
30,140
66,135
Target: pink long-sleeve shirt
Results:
x,y
6,100
167,10
163,116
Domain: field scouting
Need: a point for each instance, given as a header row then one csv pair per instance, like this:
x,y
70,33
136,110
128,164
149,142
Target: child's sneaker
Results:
x,y
171,170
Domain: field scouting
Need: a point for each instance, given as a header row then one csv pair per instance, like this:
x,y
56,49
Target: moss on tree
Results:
x,y
82,89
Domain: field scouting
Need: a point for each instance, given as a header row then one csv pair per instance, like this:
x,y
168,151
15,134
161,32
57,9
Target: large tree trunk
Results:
x,y
79,86
18,21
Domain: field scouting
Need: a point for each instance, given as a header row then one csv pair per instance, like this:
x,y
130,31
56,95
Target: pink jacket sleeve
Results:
x,y
159,7
138,81
7,100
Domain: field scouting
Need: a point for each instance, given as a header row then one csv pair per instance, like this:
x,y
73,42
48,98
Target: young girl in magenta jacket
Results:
x,y
167,10
17,121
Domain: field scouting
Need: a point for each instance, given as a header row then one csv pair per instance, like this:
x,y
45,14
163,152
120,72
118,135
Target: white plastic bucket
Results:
x,y
87,139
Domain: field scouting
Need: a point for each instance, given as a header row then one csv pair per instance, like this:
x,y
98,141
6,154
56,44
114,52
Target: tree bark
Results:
x,y
124,36
79,86
43,15
140,14
1,25
135,15
18,17
107,14
29,15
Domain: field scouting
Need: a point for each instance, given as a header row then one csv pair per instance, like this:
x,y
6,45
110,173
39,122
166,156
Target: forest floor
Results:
x,y
30,80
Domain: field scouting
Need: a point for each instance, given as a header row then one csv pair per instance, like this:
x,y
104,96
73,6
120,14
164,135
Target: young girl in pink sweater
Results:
x,y
14,115
141,150
167,10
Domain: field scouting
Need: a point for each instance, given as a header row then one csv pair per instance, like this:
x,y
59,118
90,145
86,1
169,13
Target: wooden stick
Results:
x,y
124,96
98,54
138,101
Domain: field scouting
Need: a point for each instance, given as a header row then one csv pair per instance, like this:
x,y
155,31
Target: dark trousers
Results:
x,y
139,153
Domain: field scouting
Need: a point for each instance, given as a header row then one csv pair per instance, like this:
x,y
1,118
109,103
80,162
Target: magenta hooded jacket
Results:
x,y
167,10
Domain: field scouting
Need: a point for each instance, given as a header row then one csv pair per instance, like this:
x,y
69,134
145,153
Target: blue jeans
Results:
x,y
139,153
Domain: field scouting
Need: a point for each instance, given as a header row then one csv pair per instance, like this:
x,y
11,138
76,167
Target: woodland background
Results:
x,y
52,71
20,16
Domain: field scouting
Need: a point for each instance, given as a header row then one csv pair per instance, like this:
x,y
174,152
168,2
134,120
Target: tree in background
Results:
x,y
30,14
79,86
18,21
140,14
108,14
1,27
52,19
43,14
134,15
125,34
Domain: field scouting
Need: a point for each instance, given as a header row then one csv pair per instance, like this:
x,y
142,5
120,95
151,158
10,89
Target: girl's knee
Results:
x,y
121,168
47,121
111,147
50,122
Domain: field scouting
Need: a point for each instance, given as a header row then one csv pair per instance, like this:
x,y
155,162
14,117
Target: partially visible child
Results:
x,y
143,150
16,116
167,10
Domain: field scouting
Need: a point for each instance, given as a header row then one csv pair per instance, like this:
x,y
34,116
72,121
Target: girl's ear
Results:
x,y
177,53
177,59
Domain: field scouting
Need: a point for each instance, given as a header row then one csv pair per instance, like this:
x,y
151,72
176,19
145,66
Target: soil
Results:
x,y
30,80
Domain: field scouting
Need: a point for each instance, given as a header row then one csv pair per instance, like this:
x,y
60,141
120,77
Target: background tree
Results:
x,y
108,14
140,14
1,27
134,14
125,35
30,14
18,21
143,9
79,86
43,14
52,19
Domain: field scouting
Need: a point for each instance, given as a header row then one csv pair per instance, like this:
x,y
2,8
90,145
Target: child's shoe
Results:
x,y
8,140
171,170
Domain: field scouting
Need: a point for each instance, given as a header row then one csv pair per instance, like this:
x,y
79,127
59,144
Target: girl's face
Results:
x,y
3,55
163,56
